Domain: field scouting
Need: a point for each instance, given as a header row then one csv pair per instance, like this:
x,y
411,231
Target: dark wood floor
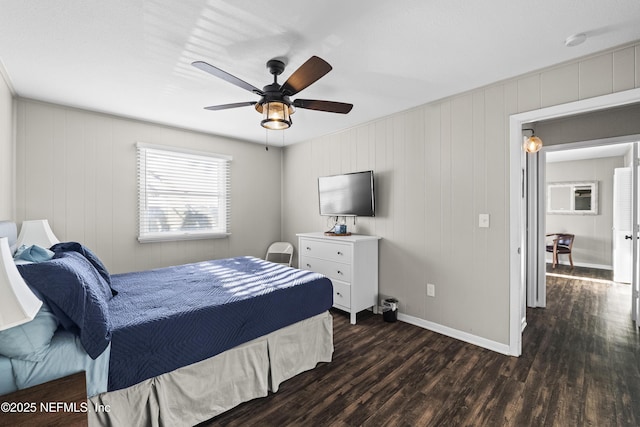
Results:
x,y
580,367
580,272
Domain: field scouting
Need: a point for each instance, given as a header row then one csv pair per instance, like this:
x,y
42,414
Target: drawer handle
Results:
x,y
339,294
339,272
308,265
340,253
308,248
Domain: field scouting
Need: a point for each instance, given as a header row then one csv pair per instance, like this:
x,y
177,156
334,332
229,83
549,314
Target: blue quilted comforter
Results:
x,y
171,317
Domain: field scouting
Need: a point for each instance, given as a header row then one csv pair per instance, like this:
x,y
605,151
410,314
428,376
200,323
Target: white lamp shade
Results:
x,y
18,304
36,232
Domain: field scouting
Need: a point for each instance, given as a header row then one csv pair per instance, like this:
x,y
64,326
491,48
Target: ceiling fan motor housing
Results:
x,y
272,93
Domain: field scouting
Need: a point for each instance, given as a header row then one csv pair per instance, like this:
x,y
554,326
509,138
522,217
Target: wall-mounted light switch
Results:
x,y
483,220
431,290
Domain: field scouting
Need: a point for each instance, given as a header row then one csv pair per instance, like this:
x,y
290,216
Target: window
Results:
x,y
576,198
182,194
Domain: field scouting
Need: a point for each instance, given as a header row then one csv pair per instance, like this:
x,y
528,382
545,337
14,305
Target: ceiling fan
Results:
x,y
274,104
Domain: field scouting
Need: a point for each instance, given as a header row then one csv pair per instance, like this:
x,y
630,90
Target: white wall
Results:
x,y
7,172
78,169
437,167
593,244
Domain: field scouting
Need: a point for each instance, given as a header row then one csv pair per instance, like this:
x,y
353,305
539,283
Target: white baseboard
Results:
x,y
583,264
454,333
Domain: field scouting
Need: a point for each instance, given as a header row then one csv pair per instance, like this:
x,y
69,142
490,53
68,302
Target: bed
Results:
x,y
177,345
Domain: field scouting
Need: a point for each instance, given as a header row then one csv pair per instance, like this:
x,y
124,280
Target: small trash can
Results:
x,y
390,310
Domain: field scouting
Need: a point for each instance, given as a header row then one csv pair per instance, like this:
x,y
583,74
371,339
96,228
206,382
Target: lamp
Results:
x,y
532,144
36,232
276,115
18,304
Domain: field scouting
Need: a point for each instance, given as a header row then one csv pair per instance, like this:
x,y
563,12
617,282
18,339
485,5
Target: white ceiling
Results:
x,y
132,58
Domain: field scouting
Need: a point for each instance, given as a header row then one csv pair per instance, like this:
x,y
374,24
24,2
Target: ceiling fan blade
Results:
x,y
328,106
227,106
208,68
308,73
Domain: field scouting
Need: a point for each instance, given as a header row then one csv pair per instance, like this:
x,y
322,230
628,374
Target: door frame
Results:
x,y
536,214
521,237
635,279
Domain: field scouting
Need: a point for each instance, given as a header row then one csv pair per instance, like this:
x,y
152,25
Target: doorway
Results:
x,y
603,232
553,205
524,247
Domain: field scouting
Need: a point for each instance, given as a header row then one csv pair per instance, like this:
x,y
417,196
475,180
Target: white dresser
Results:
x,y
351,262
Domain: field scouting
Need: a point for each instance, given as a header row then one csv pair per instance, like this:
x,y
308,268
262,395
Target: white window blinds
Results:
x,y
182,194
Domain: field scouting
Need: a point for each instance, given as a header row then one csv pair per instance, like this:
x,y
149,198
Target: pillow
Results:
x,y
89,255
77,294
30,341
33,253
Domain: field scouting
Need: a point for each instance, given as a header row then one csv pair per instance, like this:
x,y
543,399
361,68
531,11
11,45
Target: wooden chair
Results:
x,y
562,244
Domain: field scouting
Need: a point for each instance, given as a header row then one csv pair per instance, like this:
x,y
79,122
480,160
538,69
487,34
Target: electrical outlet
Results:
x,y
431,290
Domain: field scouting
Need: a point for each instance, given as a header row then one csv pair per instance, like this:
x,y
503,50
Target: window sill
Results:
x,y
170,237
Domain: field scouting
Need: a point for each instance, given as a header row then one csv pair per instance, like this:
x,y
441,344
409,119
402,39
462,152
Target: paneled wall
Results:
x,y
78,169
593,245
7,172
437,167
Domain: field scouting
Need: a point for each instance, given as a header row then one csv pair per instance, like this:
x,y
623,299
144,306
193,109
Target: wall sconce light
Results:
x,y
36,232
532,144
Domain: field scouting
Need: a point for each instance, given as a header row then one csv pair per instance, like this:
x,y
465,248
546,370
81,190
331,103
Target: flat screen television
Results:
x,y
348,194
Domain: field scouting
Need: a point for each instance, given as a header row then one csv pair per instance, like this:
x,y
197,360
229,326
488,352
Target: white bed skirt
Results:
x,y
198,392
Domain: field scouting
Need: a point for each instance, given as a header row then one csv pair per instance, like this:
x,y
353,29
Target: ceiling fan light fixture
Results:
x,y
276,115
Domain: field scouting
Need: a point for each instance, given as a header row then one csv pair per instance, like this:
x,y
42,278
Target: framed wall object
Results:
x,y
572,198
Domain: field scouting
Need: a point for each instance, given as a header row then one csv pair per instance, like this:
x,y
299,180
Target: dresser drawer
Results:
x,y
341,294
333,270
333,251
